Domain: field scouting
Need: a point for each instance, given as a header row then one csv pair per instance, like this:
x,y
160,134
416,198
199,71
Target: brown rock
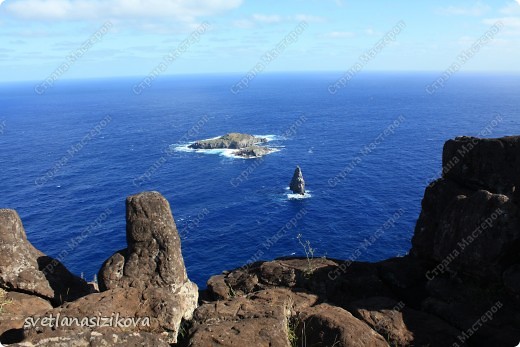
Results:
x,y
404,326
326,325
154,310
14,309
153,261
263,332
258,319
104,338
153,257
24,268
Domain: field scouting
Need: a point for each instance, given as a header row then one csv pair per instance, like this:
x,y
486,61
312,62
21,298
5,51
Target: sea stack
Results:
x,y
297,183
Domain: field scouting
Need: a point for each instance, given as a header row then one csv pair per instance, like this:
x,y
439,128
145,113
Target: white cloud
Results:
x,y
508,22
308,18
253,20
477,10
511,25
511,9
269,19
185,10
339,34
243,24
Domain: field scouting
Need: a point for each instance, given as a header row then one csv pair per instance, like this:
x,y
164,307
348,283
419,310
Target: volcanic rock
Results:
x,y
253,152
153,261
231,141
25,269
15,307
469,221
297,184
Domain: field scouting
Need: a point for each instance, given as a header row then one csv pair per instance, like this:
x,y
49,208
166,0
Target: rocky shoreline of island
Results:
x,y
241,145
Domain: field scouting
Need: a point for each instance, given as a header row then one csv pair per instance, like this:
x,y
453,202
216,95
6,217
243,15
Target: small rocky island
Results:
x,y
247,146
297,184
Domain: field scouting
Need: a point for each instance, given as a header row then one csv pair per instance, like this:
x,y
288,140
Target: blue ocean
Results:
x,y
72,155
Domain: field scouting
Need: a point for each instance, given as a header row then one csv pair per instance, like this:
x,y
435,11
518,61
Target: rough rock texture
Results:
x,y
61,338
297,184
25,269
162,309
403,326
326,325
258,319
14,309
489,164
153,261
344,297
253,152
470,217
231,140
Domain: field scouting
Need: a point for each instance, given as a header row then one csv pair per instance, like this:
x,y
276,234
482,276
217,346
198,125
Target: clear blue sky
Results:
x,y
36,36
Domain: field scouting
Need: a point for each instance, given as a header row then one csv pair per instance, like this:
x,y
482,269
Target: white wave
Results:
x,y
292,196
182,148
269,137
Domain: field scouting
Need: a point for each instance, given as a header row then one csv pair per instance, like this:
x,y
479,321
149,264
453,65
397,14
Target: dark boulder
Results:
x,y
297,184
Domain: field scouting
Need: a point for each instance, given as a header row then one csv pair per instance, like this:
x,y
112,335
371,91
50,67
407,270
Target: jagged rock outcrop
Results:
x,y
253,152
469,221
297,184
153,262
153,257
25,269
231,141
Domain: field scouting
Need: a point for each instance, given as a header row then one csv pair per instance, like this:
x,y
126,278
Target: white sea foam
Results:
x,y
292,196
269,137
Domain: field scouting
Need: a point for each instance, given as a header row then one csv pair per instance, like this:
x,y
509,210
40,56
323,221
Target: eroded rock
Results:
x,y
153,261
25,269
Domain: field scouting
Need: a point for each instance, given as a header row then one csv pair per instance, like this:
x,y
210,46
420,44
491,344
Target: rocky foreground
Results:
x,y
459,285
246,145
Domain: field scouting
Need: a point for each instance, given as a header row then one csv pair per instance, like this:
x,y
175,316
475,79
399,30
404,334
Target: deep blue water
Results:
x,y
235,220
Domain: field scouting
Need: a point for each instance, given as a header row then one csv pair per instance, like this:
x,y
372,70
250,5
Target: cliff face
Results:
x,y
470,217
459,286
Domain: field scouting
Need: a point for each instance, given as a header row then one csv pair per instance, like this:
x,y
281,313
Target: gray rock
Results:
x,y
24,268
253,152
297,184
231,141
